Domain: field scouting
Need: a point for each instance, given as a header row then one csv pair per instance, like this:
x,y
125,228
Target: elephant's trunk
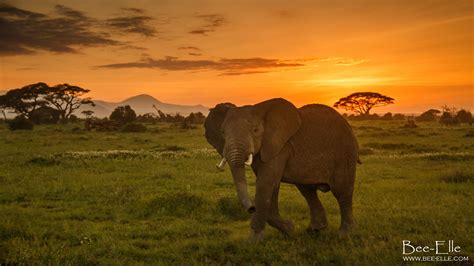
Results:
x,y
236,158
240,181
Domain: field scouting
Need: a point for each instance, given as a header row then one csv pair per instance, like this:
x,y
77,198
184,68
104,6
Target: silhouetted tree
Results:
x,y
45,115
362,102
20,123
67,98
148,118
25,100
87,113
123,114
3,107
195,118
448,117
387,116
428,116
398,117
464,116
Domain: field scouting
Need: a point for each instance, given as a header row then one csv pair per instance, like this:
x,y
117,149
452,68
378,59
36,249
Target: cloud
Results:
x,y
24,32
189,48
132,23
349,62
133,10
227,66
65,30
195,54
242,73
337,61
212,22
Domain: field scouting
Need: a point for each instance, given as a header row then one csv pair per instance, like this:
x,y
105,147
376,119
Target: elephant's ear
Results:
x,y
213,125
281,121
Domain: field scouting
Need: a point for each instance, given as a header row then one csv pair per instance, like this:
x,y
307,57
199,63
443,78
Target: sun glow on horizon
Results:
x,y
206,52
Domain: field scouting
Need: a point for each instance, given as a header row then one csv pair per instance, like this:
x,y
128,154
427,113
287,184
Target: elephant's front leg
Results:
x,y
263,197
268,178
275,220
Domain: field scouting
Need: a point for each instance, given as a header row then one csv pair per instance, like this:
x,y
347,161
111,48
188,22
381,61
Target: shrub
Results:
x,y
447,119
123,115
464,116
398,117
387,116
134,127
73,118
20,123
45,115
428,116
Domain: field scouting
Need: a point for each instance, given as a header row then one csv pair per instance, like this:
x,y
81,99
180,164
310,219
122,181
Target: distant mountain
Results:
x,y
142,104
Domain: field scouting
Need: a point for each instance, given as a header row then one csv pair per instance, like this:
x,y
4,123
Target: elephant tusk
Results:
x,y
249,160
221,164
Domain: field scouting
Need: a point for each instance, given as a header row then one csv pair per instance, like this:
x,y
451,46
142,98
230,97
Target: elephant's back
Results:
x,y
323,121
324,141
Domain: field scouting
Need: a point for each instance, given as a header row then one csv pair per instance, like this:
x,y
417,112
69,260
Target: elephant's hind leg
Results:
x,y
316,209
343,189
275,220
345,206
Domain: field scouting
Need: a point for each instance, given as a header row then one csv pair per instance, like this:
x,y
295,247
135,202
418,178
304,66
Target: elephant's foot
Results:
x,y
345,230
284,226
256,237
318,224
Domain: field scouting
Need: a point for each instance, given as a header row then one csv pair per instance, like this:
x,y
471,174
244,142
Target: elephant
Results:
x,y
312,147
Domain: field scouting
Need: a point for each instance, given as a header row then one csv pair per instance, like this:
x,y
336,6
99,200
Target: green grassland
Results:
x,y
68,196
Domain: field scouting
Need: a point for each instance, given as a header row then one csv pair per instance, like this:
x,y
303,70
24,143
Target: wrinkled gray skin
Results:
x,y
312,147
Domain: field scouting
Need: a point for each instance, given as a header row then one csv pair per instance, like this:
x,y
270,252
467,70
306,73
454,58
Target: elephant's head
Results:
x,y
241,133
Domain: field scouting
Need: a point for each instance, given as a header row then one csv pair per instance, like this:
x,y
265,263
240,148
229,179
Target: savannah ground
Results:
x,y
68,196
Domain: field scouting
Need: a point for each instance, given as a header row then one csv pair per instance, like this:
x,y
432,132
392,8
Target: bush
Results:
x,y
73,118
464,116
45,115
428,116
134,127
20,123
448,119
387,116
398,117
123,115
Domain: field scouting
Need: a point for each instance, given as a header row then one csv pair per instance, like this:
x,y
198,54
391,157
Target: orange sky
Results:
x,y
206,52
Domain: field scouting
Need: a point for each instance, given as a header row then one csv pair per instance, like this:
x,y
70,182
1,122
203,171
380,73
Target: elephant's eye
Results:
x,y
255,130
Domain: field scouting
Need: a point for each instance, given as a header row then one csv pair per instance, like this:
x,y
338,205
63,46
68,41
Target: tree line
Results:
x,y
124,118
361,103
42,103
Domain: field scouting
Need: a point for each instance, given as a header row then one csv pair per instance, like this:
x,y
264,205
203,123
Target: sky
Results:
x,y
209,51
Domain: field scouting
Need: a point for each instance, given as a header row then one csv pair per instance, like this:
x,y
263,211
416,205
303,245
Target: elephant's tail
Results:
x,y
358,161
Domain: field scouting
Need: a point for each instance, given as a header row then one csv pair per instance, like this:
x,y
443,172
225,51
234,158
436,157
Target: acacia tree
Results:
x,y
362,102
24,101
88,113
67,98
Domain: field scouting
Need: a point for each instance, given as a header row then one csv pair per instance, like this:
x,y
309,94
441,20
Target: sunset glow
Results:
x,y
206,52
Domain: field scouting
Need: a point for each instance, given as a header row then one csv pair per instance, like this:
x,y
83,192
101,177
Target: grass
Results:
x,y
68,196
